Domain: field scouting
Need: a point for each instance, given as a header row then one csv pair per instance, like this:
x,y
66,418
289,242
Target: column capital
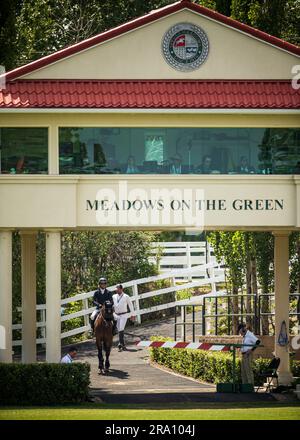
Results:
x,y
28,232
282,233
47,231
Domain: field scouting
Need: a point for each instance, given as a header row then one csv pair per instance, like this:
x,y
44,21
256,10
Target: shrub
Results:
x,y
208,366
43,384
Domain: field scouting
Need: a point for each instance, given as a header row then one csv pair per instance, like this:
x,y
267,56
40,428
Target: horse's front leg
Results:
x,y
107,349
101,359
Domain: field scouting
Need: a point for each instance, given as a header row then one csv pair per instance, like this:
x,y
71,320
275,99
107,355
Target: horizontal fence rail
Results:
x,y
211,279
212,310
180,255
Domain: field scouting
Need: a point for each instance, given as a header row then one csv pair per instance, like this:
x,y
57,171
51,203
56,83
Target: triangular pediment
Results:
x,y
137,53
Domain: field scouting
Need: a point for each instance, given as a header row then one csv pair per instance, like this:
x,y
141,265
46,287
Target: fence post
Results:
x,y
258,314
211,270
203,318
43,329
228,316
194,332
216,317
242,308
137,302
188,259
85,306
182,332
175,323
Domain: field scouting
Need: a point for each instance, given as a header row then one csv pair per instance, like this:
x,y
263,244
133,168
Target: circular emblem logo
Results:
x,y
185,46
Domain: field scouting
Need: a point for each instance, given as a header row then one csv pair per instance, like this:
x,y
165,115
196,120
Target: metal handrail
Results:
x,y
256,313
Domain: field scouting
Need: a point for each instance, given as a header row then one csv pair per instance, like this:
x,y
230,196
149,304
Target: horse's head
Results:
x,y
107,311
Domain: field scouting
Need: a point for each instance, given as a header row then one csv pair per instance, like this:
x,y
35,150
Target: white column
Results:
x,y
282,288
135,297
5,296
53,153
53,296
28,258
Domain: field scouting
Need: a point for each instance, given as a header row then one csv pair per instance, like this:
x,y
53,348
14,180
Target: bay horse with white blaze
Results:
x,y
104,335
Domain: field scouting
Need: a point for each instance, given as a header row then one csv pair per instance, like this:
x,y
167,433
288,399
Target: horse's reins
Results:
x,y
102,316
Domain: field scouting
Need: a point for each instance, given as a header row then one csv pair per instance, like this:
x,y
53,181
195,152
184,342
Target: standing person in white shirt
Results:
x,y
247,353
121,302
68,358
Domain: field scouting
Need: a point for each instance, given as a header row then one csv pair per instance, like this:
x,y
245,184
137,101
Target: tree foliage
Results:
x,y
250,255
280,18
120,256
30,29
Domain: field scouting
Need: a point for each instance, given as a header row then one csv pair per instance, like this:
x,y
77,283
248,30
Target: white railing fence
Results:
x,y
210,274
181,255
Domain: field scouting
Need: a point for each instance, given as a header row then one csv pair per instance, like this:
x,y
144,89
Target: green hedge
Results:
x,y
213,367
43,384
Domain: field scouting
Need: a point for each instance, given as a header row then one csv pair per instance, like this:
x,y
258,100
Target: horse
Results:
x,y
104,335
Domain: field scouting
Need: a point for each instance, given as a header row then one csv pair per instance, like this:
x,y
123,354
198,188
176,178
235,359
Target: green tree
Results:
x,y
230,247
120,256
280,18
251,278
240,10
291,25
30,29
264,249
9,11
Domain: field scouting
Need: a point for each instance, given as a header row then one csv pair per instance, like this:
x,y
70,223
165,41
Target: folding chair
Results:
x,y
270,373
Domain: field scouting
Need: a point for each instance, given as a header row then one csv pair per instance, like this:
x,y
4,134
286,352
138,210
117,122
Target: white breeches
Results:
x,y
94,314
121,321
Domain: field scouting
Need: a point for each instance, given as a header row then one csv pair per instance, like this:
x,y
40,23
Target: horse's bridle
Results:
x,y
102,312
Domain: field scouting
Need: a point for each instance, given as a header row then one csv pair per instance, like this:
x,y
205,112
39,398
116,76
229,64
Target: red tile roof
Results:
x,y
146,19
142,94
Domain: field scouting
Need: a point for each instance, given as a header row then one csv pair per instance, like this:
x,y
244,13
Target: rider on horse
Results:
x,y
101,295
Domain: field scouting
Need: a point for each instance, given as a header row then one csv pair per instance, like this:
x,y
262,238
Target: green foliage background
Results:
x,y
120,256
30,29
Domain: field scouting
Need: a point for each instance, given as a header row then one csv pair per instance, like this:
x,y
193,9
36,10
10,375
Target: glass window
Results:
x,y
24,150
179,150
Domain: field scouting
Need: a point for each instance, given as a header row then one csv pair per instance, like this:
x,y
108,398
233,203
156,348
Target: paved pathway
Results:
x,y
132,378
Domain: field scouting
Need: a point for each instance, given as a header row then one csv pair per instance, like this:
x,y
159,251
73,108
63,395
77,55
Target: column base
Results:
x,y
285,378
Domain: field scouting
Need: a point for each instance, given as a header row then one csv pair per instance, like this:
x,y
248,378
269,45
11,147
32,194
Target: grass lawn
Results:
x,y
218,411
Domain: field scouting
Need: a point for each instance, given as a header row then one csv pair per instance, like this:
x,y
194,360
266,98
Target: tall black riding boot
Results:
x,y
92,323
114,329
121,344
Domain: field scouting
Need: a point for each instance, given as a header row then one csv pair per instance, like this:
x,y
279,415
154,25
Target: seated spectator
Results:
x,y
131,167
244,167
206,166
70,356
164,167
20,165
150,166
175,165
